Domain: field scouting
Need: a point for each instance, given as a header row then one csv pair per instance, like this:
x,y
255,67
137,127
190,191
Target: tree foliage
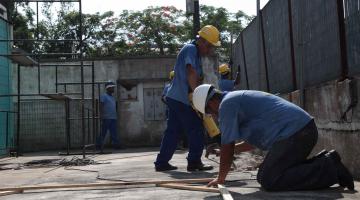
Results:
x,y
152,31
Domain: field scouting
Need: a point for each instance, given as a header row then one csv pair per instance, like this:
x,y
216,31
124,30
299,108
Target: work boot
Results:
x,y
344,176
166,167
198,167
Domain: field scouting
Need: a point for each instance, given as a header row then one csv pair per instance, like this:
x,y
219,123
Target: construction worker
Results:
x,y
108,116
188,75
271,123
225,81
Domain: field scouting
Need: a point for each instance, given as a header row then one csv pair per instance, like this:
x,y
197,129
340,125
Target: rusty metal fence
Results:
x,y
294,44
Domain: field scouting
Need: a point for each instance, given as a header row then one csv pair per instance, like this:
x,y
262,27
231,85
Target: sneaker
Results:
x,y
198,167
167,167
345,177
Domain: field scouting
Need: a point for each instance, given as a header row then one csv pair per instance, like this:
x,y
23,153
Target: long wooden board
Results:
x,y
112,184
4,193
188,187
225,193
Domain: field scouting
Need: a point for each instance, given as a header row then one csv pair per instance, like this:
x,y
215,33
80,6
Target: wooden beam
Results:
x,y
225,193
4,193
188,187
112,184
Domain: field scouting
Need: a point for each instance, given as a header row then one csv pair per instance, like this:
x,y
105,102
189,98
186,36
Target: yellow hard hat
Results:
x,y
211,34
172,74
224,69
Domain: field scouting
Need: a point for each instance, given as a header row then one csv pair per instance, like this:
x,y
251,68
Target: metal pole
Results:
x,y
37,38
293,64
56,79
264,51
93,103
38,74
196,18
7,130
18,113
88,125
259,41
301,44
97,120
82,81
244,58
342,40
67,125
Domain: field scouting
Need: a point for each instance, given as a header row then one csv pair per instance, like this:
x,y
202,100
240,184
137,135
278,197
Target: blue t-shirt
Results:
x,y
226,84
179,88
259,118
109,106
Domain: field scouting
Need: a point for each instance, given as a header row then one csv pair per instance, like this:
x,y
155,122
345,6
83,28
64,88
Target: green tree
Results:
x,y
155,30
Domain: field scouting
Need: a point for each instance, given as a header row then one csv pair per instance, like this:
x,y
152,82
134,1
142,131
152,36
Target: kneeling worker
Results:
x,y
271,123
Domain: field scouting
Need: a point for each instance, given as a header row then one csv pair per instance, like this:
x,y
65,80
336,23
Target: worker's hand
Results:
x,y
215,182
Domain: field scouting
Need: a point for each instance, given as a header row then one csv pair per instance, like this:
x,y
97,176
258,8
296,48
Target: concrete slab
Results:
x,y
135,165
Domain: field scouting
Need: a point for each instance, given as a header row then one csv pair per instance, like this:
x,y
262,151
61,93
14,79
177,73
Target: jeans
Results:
x,y
286,166
108,125
181,117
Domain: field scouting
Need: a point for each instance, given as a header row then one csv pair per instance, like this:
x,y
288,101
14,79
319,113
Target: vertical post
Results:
x,y
88,125
258,40
82,80
264,50
18,112
38,75
244,58
342,38
231,54
37,39
93,103
7,130
292,50
67,125
301,25
196,17
97,120
56,79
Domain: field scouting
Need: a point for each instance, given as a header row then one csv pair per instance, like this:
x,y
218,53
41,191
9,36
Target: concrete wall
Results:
x,y
130,74
337,115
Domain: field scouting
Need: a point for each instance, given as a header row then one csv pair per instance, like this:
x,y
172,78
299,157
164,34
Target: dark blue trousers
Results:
x,y
108,125
181,117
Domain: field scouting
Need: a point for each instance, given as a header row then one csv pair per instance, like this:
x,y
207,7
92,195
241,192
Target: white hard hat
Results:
x,y
200,96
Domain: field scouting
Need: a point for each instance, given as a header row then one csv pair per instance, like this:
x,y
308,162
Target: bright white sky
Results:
x,y
93,6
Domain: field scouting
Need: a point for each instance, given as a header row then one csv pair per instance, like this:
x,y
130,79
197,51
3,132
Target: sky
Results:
x,y
93,6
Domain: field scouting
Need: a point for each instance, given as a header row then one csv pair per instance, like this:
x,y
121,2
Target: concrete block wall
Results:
x,y
133,129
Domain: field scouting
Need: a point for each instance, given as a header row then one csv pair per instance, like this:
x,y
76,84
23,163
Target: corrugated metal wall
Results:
x,y
6,129
277,41
304,44
352,26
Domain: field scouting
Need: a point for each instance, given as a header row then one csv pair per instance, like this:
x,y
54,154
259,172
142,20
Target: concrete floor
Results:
x,y
137,164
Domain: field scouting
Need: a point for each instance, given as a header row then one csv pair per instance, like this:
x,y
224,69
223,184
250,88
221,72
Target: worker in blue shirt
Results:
x,y
108,116
188,75
271,123
225,81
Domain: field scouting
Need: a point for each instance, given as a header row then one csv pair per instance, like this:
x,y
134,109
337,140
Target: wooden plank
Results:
x,y
225,193
4,193
112,184
189,187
